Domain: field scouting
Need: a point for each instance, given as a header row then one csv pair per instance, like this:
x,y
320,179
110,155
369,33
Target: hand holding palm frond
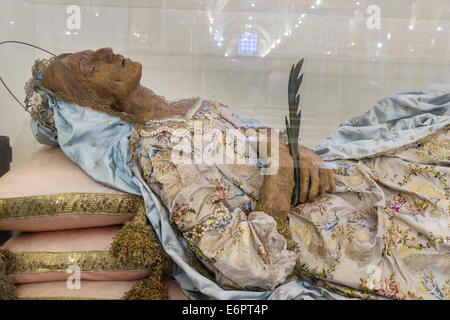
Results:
x,y
311,174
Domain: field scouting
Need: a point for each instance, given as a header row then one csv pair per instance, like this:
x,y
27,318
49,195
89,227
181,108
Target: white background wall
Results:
x,y
189,48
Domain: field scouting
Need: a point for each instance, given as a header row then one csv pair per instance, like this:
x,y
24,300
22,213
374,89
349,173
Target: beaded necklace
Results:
x,y
180,127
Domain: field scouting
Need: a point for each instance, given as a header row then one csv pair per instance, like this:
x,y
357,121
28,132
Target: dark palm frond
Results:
x,y
293,124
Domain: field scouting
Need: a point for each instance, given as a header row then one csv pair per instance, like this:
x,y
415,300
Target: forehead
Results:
x,y
73,59
78,55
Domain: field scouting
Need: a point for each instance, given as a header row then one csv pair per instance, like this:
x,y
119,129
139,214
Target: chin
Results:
x,y
137,72
138,67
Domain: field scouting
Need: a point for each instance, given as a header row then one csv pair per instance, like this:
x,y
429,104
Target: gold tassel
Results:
x,y
7,288
147,289
138,244
7,261
7,266
151,288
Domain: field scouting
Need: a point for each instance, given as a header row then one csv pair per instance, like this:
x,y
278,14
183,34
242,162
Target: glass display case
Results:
x,y
240,52
375,87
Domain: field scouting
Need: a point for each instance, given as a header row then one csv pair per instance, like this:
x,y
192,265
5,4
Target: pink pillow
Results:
x,y
89,290
48,256
49,192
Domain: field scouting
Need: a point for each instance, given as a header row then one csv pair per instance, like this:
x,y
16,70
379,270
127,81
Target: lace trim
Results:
x,y
68,203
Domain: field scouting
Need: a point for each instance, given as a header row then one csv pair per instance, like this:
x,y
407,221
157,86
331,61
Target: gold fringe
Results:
x,y
151,288
147,289
7,261
137,243
7,266
7,288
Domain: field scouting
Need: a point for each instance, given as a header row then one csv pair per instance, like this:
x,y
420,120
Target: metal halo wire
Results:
x,y
26,44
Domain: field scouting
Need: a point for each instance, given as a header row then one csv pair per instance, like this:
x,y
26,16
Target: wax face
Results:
x,y
105,73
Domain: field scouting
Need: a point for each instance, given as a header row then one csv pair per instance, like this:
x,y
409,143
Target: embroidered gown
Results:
x,y
212,202
385,233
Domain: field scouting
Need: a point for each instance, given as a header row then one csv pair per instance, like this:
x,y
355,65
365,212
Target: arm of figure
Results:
x,y
276,191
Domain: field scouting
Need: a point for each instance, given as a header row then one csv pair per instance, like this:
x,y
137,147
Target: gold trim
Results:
x,y
68,203
86,261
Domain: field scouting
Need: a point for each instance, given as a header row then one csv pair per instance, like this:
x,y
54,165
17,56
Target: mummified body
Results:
x,y
217,207
384,232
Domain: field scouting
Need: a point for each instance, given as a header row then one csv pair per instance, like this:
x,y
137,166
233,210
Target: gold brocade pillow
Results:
x,y
57,255
49,192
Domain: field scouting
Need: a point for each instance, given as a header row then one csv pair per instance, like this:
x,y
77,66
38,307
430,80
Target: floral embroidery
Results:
x,y
442,178
400,204
221,191
262,253
180,213
165,167
388,287
446,289
399,226
237,234
328,273
413,171
354,191
164,139
342,169
429,284
397,203
436,149
396,237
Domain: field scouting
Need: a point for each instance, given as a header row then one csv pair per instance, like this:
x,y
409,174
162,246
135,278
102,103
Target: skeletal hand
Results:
x,y
315,177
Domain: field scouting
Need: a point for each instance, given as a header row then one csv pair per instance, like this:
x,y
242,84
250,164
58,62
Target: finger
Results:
x,y
315,182
304,184
323,182
332,182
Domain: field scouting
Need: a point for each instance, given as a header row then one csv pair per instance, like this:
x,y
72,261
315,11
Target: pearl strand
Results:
x,y
219,217
166,120
177,132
